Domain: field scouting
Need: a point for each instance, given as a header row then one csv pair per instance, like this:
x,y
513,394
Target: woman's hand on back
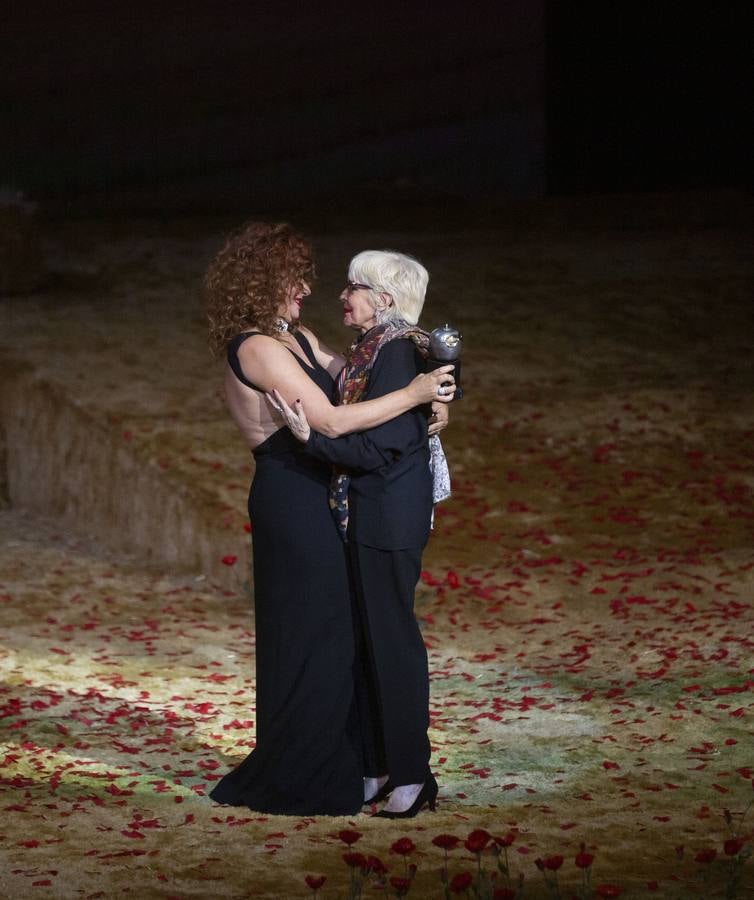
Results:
x,y
294,418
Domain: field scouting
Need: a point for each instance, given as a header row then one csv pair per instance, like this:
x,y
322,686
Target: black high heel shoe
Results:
x,y
427,794
386,788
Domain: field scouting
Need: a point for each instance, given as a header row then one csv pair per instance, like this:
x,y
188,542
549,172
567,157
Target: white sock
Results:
x,y
372,785
403,797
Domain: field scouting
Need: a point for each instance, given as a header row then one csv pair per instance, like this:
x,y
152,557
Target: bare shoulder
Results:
x,y
260,346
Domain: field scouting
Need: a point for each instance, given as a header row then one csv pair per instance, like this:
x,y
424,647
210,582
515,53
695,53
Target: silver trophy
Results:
x,y
445,347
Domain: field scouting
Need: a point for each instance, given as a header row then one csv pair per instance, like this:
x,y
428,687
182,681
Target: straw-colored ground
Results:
x,y
588,599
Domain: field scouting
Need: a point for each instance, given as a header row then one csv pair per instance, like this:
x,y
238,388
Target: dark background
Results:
x,y
225,106
649,96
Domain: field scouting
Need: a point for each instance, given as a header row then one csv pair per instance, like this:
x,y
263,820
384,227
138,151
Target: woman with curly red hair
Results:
x,y
307,759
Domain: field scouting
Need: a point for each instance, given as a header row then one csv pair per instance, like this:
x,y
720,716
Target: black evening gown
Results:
x,y
307,759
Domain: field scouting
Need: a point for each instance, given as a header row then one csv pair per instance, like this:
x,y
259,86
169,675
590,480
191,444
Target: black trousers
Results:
x,y
391,676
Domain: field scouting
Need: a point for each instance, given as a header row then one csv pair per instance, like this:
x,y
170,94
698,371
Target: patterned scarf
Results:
x,y
352,383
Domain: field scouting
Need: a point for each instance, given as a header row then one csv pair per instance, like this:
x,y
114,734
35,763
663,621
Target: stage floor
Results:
x,y
587,601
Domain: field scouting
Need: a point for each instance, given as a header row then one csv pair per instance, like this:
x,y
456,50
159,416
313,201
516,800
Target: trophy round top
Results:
x,y
445,343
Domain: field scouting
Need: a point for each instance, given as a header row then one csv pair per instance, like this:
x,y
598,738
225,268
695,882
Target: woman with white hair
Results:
x,y
382,496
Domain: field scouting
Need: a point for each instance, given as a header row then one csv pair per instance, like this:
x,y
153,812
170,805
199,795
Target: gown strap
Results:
x,y
303,342
235,363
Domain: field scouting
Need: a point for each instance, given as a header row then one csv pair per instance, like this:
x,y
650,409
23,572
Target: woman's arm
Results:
x,y
333,361
268,364
380,446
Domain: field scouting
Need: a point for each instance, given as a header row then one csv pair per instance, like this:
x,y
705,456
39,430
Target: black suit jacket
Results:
x,y
390,495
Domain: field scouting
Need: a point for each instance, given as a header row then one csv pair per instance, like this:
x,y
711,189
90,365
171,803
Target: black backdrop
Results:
x,y
649,96
278,98
223,103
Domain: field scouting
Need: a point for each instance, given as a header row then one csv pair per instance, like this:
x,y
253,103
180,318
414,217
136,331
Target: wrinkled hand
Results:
x,y
439,418
294,418
434,386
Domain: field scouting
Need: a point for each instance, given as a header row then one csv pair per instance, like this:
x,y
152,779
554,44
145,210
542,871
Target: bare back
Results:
x,y
251,359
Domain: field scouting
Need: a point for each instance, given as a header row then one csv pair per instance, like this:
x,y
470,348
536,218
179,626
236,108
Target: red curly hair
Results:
x,y
250,277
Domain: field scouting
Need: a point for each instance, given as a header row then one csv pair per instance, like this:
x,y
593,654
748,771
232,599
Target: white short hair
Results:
x,y
390,272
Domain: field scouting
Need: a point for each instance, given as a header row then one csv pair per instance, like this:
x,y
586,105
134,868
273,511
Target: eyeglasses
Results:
x,y
356,286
